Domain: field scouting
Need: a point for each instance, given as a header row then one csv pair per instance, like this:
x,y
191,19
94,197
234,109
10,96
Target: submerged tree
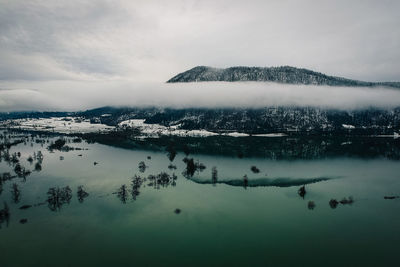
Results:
x,y
4,215
136,184
254,169
82,194
57,197
15,193
58,144
345,201
142,166
245,181
162,179
302,191
192,167
122,193
214,175
171,153
38,167
39,157
333,203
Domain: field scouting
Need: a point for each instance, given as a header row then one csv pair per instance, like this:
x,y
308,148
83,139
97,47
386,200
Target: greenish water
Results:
x,y
220,223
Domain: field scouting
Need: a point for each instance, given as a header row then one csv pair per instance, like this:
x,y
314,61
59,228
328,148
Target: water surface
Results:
x,y
220,222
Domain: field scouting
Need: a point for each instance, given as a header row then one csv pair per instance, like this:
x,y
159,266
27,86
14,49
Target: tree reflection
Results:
x,y
214,175
82,194
122,193
15,193
57,197
136,184
4,215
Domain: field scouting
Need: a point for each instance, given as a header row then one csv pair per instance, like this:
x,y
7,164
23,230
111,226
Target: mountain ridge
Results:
x,y
283,74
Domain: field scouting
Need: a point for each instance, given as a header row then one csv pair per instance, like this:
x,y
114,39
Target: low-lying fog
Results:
x,y
70,96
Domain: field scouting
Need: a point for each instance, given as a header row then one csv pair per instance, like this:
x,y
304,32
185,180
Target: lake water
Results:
x,y
221,222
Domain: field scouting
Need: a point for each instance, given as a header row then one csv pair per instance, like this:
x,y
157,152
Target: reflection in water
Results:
x,y
15,193
345,201
195,202
214,175
278,182
82,194
333,203
136,184
311,205
391,197
245,181
162,179
122,193
291,147
142,166
4,215
38,167
192,167
177,211
57,197
302,191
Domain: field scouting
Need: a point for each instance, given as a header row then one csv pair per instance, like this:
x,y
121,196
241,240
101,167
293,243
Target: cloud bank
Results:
x,y
72,96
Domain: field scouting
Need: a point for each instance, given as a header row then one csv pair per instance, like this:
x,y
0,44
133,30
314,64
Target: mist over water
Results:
x,y
72,96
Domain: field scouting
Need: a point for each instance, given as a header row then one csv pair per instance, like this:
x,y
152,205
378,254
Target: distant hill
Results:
x,y
285,74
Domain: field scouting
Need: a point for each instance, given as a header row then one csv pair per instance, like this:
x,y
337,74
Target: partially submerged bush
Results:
x,y
254,169
57,145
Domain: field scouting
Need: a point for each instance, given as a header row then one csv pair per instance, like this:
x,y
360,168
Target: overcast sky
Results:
x,y
80,50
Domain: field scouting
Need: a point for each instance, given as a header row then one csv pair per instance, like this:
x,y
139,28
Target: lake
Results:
x,y
198,220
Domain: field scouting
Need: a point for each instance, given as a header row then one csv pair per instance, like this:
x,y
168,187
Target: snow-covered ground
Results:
x,y
155,130
348,126
81,125
59,125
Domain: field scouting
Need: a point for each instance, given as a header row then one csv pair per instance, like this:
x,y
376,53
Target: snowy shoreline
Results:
x,y
71,125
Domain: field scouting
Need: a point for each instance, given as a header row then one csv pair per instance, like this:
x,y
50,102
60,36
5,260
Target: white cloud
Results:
x,y
81,95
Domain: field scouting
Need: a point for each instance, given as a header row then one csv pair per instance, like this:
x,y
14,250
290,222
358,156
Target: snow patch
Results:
x,y
155,130
348,126
57,124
